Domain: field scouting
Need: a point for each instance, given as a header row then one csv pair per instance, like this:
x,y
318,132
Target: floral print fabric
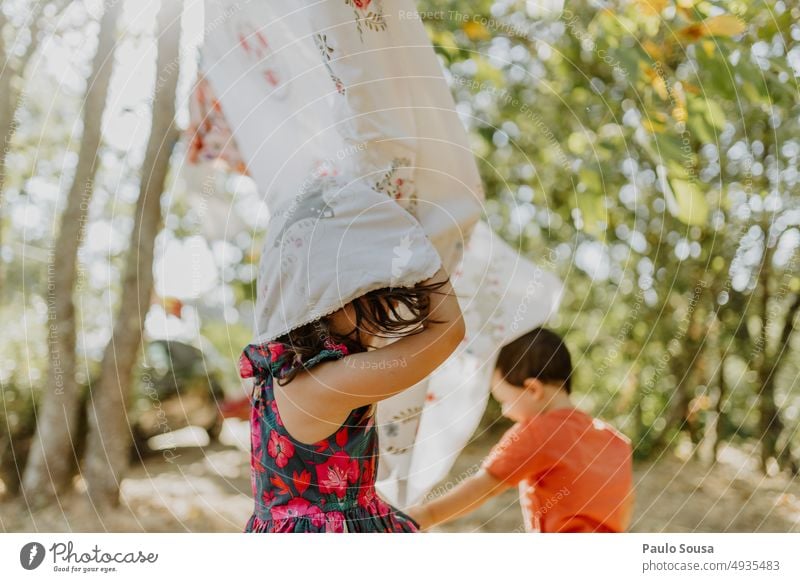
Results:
x,y
328,486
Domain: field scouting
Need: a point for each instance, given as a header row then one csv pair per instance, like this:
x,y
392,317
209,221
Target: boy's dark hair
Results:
x,y
540,354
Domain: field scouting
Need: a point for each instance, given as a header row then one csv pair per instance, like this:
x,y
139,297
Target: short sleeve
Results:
x,y
283,366
520,454
259,359
321,357
273,358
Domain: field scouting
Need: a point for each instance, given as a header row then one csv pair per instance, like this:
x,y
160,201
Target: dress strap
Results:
x,y
271,358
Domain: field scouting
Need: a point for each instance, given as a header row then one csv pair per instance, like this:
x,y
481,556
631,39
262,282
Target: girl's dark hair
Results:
x,y
376,309
540,354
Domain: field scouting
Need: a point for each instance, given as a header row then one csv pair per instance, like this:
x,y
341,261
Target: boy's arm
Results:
x,y
463,499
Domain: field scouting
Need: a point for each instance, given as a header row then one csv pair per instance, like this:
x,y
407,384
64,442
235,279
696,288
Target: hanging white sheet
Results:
x,y
353,88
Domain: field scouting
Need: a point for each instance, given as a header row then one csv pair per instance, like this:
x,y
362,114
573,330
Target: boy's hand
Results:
x,y
464,498
421,515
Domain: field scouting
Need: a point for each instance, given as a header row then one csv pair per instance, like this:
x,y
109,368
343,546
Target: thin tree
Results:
x,y
768,362
785,456
722,395
109,441
52,457
13,67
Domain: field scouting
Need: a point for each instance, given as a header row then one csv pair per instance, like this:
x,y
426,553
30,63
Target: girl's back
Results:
x,y
327,486
322,297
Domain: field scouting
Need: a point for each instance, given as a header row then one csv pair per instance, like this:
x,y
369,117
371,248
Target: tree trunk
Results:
x,y
719,406
769,421
714,427
786,458
771,425
687,368
108,446
52,458
12,70
6,105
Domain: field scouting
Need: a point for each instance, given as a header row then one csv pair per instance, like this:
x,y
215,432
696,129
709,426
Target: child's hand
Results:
x,y
465,497
421,515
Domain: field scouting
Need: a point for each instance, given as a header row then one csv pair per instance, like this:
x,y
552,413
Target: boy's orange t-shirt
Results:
x,y
574,472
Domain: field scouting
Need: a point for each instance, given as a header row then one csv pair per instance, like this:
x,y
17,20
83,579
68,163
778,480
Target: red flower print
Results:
x,y
366,495
245,367
276,349
332,345
257,465
299,507
267,497
263,350
377,506
280,448
273,404
366,492
334,522
279,484
361,4
301,481
334,474
341,436
255,437
371,506
380,506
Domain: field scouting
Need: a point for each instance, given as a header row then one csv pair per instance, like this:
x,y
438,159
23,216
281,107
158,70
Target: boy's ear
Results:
x,y
534,386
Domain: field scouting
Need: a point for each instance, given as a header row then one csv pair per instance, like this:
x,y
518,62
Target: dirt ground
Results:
x,y
207,489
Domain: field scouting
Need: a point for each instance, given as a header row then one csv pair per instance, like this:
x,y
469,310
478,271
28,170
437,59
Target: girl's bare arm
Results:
x,y
334,388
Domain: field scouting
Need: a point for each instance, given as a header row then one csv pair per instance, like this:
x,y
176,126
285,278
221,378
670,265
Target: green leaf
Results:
x,y
692,204
670,151
577,143
705,115
591,203
717,74
593,213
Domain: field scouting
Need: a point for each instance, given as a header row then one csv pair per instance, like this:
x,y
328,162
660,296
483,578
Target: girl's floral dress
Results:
x,y
328,486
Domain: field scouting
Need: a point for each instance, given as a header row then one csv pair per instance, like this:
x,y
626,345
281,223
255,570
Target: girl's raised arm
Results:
x,y
336,387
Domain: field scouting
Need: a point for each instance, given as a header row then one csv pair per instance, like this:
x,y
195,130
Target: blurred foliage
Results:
x,y
647,151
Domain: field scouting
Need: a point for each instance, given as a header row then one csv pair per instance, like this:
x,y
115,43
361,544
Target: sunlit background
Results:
x,y
646,150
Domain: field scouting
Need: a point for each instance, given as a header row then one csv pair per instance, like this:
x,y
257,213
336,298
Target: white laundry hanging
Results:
x,y
354,89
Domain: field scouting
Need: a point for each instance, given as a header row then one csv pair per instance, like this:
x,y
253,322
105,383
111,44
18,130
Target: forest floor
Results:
x,y
206,488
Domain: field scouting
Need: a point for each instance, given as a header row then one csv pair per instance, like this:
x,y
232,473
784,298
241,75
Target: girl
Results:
x,y
314,442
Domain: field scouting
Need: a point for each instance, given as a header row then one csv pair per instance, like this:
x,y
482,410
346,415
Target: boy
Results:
x,y
573,471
